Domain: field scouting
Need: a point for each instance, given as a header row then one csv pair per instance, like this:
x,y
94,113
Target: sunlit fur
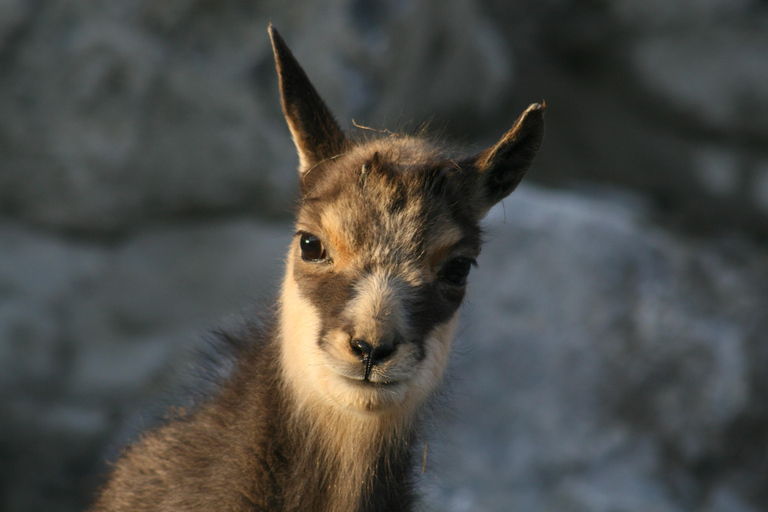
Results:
x,y
322,412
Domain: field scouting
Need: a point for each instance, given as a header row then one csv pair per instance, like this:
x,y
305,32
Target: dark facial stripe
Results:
x,y
434,304
328,292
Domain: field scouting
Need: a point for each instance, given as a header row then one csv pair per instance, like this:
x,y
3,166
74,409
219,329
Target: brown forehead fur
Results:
x,y
392,201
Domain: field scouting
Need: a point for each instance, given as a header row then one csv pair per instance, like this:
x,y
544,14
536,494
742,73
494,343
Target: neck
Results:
x,y
364,461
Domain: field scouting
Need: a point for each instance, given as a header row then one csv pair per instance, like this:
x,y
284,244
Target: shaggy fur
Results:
x,y
322,412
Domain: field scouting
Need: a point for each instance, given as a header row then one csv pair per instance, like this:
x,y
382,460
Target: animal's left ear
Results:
x,y
501,168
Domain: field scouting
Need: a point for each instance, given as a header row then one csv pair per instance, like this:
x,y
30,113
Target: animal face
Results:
x,y
386,234
378,269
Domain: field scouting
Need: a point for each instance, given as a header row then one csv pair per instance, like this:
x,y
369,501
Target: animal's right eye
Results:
x,y
311,248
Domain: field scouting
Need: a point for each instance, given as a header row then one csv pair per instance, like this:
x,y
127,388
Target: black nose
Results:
x,y
368,353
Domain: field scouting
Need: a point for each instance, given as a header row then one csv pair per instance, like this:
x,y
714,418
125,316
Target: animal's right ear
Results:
x,y
315,132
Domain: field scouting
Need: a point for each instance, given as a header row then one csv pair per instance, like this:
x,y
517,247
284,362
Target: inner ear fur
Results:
x,y
501,167
315,131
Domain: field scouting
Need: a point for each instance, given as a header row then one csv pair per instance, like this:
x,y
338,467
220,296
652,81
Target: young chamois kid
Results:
x,y
321,412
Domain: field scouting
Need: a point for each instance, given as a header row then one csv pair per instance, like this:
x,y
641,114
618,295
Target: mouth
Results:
x,y
376,394
368,383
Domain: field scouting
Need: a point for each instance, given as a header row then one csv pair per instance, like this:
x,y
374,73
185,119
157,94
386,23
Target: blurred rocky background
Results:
x,y
617,357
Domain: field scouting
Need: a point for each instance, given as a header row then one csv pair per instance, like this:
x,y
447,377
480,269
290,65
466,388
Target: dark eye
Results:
x,y
456,271
311,248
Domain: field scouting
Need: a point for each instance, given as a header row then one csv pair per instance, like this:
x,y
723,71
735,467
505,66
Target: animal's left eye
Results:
x,y
311,248
455,272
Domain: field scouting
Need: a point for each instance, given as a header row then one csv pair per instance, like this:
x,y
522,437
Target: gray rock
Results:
x,y
667,97
16,14
710,64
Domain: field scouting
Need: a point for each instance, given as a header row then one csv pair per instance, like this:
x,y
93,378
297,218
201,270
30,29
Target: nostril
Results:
x,y
381,353
361,348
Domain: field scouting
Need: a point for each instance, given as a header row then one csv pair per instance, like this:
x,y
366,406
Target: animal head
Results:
x,y
386,234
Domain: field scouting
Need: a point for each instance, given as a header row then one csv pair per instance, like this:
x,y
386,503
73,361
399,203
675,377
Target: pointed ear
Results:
x,y
315,132
501,167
